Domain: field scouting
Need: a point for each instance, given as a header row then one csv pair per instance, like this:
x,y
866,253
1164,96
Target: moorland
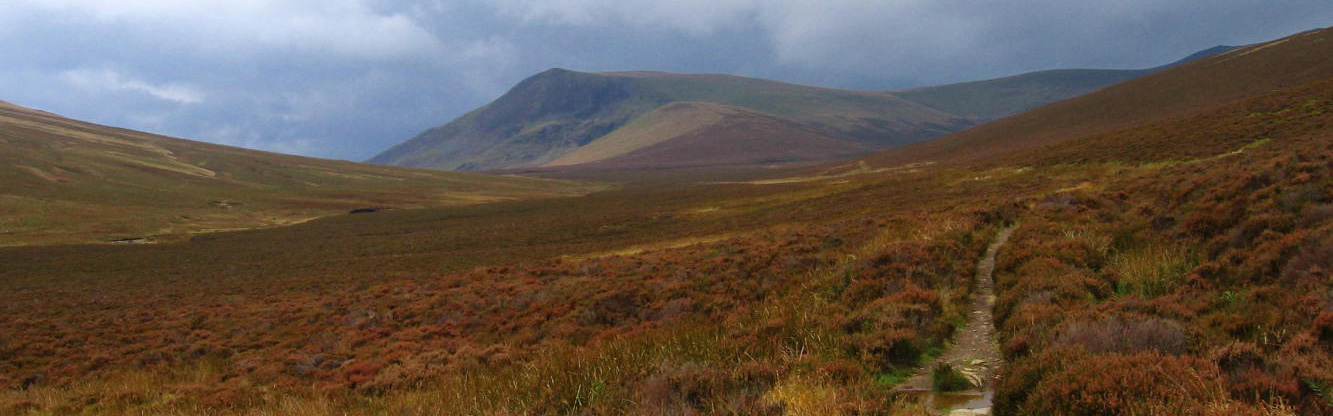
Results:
x,y
1172,239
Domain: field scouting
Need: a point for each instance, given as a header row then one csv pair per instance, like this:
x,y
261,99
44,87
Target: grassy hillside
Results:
x,y
65,181
693,135
557,112
1197,86
989,100
867,117
998,98
661,124
1195,284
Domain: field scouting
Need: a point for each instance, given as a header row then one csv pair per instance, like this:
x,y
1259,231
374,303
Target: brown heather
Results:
x,y
1174,272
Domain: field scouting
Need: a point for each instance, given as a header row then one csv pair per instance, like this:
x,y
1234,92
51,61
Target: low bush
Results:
x,y
945,378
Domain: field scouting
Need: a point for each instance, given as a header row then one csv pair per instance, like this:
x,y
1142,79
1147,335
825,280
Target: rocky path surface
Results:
x,y
974,351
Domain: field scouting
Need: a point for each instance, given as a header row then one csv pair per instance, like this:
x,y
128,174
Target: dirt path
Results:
x,y
974,351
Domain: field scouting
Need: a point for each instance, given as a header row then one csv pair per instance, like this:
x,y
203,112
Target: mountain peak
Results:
x,y
558,111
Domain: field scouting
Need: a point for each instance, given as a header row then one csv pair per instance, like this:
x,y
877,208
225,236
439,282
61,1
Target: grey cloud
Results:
x,y
348,78
106,79
695,17
344,28
928,41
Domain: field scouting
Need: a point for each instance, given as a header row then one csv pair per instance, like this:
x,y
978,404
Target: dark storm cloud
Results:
x,y
347,78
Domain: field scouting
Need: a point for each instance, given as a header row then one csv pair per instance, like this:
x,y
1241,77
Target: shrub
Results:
x,y
1322,329
1114,335
841,371
759,376
891,349
945,378
1313,262
358,372
1116,384
694,388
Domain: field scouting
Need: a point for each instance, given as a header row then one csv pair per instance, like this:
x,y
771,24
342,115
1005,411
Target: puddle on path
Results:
x,y
944,402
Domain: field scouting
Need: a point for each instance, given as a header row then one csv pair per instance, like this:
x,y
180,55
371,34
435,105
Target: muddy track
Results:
x,y
974,351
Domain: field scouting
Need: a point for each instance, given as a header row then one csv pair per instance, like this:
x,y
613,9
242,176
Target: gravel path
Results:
x,y
974,351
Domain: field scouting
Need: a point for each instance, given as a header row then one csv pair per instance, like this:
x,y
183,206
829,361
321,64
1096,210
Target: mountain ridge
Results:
x,y
556,111
548,117
992,99
1234,74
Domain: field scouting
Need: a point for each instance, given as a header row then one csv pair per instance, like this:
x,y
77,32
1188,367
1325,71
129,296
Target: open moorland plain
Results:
x,y
1159,247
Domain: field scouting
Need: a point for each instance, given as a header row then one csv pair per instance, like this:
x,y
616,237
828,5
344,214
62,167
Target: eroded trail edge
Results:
x,y
974,351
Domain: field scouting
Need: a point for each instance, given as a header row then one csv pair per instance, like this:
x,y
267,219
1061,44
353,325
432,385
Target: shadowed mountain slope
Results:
x,y
988,100
562,118
554,113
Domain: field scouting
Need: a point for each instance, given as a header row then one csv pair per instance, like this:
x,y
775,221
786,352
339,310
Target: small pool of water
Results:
x,y
944,402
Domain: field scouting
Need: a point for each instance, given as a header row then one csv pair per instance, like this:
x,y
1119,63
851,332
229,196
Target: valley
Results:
x,y
1158,246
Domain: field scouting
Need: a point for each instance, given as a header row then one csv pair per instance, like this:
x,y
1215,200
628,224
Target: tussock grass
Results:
x,y
805,396
945,378
1100,242
1152,269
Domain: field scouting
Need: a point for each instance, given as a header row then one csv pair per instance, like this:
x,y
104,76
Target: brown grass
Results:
x,y
821,296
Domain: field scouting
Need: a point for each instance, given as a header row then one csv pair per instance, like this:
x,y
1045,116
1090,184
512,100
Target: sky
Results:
x,y
346,79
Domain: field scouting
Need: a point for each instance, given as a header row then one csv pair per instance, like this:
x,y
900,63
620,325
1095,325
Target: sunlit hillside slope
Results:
x,y
67,181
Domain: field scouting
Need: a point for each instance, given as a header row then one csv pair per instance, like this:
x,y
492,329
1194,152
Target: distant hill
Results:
x,y
561,119
1196,86
989,100
554,113
67,181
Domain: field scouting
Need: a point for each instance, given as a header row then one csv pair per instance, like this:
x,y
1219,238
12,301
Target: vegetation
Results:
x,y
692,135
1197,287
1122,110
1173,272
989,100
945,378
744,324
64,181
558,113
565,120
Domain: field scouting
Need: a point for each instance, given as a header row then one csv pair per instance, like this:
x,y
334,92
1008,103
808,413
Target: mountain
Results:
x,y
561,119
556,112
64,180
1186,89
989,100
